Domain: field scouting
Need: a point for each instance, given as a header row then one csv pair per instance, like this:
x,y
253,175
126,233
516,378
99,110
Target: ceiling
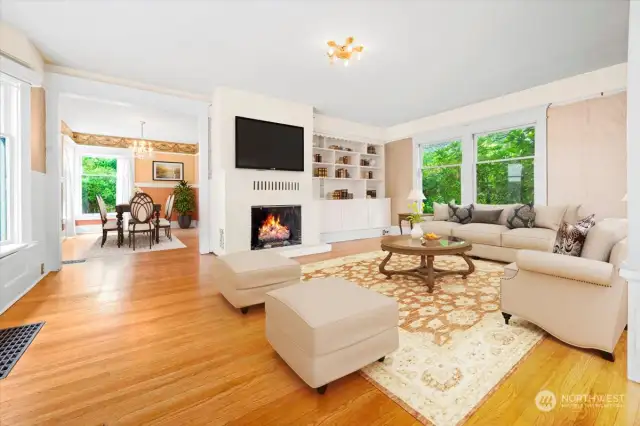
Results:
x,y
421,57
100,117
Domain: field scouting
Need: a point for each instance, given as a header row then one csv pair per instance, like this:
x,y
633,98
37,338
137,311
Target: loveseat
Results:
x,y
497,241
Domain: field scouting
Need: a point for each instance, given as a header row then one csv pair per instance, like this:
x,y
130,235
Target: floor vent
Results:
x,y
71,262
13,342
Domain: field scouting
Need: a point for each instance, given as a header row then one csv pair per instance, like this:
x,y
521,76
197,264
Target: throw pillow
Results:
x,y
603,237
460,214
550,217
570,238
522,216
485,216
440,211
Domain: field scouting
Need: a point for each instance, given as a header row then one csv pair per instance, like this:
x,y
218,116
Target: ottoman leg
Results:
x,y
322,389
381,359
506,317
244,310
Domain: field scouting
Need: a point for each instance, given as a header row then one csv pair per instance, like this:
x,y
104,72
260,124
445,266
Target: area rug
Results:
x,y
142,246
454,346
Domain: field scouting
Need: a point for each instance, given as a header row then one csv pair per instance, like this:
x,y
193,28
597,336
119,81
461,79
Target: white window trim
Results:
x,y
536,117
94,151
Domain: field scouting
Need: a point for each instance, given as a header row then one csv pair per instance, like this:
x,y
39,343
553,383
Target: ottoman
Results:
x,y
327,328
244,278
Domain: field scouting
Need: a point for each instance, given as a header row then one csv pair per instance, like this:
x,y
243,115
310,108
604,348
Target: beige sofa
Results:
x,y
497,242
580,300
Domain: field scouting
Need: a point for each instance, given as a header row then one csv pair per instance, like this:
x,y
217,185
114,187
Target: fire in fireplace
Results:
x,y
275,226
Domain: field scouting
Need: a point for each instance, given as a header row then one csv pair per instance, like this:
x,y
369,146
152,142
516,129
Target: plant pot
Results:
x,y
416,231
184,221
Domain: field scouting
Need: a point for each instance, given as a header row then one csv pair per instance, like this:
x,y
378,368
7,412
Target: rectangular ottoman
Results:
x,y
244,278
327,328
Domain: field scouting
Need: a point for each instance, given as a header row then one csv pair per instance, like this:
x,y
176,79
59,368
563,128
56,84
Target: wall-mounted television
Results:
x,y
264,145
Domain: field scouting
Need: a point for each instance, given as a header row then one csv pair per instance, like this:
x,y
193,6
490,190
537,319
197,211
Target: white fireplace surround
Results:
x,y
235,191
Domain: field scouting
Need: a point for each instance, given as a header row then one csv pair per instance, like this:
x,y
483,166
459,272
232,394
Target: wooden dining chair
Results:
x,y
141,209
107,225
165,223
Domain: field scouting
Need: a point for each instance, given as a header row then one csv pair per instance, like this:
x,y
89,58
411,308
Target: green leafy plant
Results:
x,y
416,212
185,198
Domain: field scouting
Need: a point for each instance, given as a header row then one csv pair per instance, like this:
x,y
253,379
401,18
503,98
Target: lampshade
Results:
x,y
624,198
416,195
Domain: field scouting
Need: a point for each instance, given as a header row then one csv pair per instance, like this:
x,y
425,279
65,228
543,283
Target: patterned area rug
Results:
x,y
142,246
454,346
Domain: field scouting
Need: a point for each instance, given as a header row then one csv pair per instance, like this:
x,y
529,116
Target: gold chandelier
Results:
x,y
344,52
142,149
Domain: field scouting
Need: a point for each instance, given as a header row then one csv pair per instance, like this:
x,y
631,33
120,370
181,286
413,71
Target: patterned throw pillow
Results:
x,y
460,214
522,216
570,238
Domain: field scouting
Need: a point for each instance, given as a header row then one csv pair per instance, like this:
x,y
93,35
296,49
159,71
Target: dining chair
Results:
x,y
165,223
107,225
141,209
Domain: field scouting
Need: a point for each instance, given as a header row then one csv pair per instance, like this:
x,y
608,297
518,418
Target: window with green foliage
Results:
x,y
98,178
504,166
441,173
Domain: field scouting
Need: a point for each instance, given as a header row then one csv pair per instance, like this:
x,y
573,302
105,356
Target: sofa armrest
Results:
x,y
568,267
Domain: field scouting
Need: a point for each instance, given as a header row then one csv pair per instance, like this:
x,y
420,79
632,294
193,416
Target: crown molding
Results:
x,y
120,142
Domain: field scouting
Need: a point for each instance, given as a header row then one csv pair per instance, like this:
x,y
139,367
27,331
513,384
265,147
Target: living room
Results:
x,y
382,236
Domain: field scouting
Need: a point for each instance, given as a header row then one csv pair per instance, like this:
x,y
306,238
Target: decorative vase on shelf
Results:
x,y
416,231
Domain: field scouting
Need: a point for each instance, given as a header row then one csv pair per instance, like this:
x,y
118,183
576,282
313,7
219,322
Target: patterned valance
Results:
x,y
119,142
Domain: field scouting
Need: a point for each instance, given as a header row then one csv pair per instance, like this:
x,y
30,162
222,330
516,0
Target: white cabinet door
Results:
x,y
379,211
330,216
354,215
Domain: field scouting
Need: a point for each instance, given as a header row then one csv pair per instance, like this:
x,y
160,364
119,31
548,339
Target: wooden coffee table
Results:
x,y
427,251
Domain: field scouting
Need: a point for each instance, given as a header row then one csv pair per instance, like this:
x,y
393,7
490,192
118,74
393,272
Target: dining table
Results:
x,y
126,208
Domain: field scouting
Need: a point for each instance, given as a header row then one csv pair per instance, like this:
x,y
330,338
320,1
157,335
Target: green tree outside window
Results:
x,y
98,178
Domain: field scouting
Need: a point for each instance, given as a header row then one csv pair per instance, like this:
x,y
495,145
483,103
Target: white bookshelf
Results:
x,y
358,180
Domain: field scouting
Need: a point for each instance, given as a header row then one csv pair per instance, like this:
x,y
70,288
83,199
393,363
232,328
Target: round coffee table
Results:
x,y
427,251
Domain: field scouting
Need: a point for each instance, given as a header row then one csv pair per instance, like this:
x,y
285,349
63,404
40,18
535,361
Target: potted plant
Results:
x,y
184,203
415,218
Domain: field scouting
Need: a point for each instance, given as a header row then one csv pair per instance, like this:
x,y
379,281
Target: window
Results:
x,y
9,159
98,178
441,173
505,166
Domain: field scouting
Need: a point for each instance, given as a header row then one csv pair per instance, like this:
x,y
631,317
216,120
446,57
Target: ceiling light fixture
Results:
x,y
142,149
344,52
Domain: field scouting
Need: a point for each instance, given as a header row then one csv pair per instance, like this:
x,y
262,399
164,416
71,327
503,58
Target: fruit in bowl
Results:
x,y
431,236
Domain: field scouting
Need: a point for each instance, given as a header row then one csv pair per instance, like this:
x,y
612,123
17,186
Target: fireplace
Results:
x,y
275,226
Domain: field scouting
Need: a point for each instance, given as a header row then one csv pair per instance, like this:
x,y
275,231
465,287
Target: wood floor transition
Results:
x,y
146,339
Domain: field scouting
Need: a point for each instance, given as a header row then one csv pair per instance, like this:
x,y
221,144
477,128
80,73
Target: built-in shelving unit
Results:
x,y
339,153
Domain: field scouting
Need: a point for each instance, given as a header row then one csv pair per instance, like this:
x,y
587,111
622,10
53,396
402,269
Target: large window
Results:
x,y
98,178
441,173
505,166
9,158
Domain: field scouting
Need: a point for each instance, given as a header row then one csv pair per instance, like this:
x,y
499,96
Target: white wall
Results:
x,y
236,192
607,80
333,126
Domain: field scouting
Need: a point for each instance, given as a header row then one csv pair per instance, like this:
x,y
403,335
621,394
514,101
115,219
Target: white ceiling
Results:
x,y
421,57
88,115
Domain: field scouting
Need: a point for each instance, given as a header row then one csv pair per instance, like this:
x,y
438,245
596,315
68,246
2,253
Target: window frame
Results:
x,y
421,166
80,215
506,160
531,117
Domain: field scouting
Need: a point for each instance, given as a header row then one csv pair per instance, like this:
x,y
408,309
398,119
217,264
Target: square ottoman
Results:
x,y
327,328
244,278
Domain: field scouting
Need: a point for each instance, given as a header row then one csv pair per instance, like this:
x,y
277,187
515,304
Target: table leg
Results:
x,y
382,269
430,273
400,224
119,225
472,267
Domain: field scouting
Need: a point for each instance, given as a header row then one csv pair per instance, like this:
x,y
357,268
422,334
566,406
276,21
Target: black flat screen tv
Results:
x,y
264,145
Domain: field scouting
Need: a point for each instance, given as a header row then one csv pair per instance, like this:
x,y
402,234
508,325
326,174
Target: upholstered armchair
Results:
x,y
581,301
165,223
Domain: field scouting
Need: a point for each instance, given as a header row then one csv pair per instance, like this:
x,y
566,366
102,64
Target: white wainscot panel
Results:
x,y
379,212
354,215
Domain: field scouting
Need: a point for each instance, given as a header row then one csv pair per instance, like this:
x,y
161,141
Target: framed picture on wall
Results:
x,y
168,170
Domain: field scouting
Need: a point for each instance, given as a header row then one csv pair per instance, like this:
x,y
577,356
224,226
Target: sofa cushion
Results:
x,y
602,237
460,214
522,216
480,233
506,210
486,216
529,238
260,268
440,211
441,228
550,216
573,213
322,316
570,238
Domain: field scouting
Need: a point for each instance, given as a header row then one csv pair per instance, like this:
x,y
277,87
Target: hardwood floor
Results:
x,y
146,338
